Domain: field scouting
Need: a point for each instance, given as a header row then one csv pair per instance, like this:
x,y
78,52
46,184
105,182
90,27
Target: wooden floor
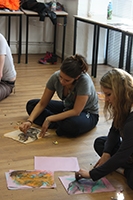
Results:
x,y
31,80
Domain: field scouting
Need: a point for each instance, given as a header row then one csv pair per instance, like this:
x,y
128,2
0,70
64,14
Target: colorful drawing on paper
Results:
x,y
31,135
85,185
21,179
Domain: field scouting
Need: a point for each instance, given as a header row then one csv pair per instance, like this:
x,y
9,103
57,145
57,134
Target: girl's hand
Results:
x,y
45,126
25,126
82,174
102,160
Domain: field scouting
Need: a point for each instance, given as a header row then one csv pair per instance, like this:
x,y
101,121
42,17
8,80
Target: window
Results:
x,y
124,9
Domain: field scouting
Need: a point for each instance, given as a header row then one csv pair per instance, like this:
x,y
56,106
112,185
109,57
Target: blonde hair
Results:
x,y
121,84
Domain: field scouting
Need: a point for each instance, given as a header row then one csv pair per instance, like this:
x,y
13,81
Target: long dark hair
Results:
x,y
73,66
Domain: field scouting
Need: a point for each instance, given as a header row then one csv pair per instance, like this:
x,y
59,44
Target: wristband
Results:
x,y
29,121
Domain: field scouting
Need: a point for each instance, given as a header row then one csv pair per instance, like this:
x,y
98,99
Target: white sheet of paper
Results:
x,y
56,163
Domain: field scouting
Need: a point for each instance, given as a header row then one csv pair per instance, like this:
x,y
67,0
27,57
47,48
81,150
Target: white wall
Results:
x,y
41,34
71,7
75,7
92,8
84,31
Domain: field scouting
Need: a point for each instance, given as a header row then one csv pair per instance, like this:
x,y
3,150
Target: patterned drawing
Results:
x,y
85,185
31,135
30,179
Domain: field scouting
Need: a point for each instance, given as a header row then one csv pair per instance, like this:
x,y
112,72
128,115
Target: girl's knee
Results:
x,y
30,105
99,145
97,142
66,132
67,128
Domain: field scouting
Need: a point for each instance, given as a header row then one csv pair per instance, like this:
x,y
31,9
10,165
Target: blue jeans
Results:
x,y
69,127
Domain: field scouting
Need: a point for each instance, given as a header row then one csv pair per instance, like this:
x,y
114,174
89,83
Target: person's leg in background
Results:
x,y
5,90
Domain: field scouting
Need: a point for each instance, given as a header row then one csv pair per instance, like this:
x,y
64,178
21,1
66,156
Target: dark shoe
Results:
x,y
44,59
53,59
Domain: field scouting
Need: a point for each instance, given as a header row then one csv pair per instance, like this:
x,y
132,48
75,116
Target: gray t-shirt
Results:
x,y
9,71
83,86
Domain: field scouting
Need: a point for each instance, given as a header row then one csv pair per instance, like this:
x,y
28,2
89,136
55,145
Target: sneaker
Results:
x,y
44,59
49,58
52,60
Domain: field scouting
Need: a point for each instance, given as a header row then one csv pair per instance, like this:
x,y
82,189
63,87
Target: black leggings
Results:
x,y
128,171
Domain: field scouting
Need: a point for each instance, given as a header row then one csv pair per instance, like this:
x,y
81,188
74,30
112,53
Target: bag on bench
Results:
x,y
42,9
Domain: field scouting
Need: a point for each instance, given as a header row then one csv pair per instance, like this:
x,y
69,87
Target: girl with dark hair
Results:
x,y
77,111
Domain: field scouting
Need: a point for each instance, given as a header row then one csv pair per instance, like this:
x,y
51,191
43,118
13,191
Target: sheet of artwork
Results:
x,y
85,185
31,135
24,179
56,163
